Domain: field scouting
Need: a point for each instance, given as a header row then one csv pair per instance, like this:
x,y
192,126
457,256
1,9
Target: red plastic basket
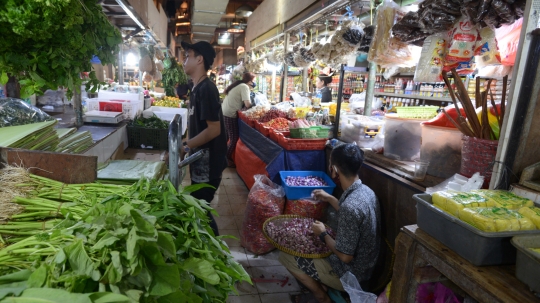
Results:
x,y
300,144
274,134
477,155
265,130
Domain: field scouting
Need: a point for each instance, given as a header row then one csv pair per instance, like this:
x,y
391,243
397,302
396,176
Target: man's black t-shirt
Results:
x,y
204,105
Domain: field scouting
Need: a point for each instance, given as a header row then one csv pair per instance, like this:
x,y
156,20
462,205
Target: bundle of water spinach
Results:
x,y
145,243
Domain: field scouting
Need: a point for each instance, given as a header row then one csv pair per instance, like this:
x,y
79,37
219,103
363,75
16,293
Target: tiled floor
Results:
x,y
230,203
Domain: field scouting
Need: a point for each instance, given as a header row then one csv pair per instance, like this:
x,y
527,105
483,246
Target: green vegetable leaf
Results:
x,y
166,244
166,280
107,297
193,188
144,222
15,288
79,261
4,78
132,246
52,295
106,240
38,277
151,251
203,269
22,275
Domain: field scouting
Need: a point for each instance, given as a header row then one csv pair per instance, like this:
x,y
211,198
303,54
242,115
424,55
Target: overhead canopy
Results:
x,y
206,17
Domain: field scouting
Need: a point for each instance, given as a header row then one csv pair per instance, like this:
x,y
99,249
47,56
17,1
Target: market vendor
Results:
x,y
206,128
356,246
238,96
322,86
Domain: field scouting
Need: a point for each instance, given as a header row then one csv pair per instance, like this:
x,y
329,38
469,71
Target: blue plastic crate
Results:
x,y
299,192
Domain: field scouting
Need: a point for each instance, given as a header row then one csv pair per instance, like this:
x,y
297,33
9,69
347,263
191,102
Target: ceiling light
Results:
x,y
235,30
184,5
244,11
183,24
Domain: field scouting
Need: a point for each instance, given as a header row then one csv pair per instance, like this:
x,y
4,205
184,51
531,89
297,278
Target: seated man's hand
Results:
x,y
318,228
320,195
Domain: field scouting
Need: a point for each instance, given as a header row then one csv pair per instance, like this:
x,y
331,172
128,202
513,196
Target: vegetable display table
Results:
x,y
257,154
420,259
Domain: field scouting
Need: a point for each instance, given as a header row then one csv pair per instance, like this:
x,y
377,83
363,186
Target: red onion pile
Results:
x,y
272,114
306,208
305,181
297,234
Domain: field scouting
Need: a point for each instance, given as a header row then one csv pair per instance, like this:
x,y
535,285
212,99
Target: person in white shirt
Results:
x,y
238,96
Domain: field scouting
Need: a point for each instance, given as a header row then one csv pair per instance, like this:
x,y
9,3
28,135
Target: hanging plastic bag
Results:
x,y
508,41
486,51
387,50
430,66
462,41
17,112
352,287
265,200
306,207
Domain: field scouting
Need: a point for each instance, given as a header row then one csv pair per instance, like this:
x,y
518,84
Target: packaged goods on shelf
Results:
x,y
430,66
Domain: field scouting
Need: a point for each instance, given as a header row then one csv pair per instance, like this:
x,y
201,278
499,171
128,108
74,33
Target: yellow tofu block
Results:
x,y
461,200
532,213
505,199
536,250
439,198
496,219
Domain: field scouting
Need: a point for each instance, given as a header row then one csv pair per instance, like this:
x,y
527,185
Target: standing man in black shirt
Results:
x,y
206,127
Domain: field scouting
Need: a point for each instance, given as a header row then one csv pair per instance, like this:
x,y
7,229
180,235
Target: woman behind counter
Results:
x,y
238,96
322,85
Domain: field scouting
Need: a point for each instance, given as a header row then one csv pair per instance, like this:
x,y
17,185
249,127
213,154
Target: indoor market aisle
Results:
x,y
273,282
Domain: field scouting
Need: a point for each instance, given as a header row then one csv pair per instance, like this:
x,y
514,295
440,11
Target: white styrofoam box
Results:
x,y
130,109
167,113
108,95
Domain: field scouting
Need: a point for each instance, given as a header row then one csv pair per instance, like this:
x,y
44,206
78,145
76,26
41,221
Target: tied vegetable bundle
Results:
x,y
146,242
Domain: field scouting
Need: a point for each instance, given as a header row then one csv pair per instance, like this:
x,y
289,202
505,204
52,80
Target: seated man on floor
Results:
x,y
357,242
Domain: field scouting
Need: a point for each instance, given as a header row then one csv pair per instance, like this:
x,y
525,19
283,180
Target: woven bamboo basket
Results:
x,y
288,250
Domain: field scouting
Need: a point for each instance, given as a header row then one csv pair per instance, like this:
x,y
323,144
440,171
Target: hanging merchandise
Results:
x,y
145,63
508,41
172,75
159,54
159,65
385,49
366,39
289,59
430,66
486,52
462,41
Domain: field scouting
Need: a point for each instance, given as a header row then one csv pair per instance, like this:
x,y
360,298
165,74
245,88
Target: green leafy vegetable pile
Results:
x,y
143,243
46,44
152,122
173,74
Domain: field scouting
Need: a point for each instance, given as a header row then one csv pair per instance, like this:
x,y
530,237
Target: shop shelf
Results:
x,y
299,192
441,99
476,246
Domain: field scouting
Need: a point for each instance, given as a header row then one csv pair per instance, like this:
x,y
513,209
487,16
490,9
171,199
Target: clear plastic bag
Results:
x,y
265,200
52,97
486,51
430,67
352,287
17,112
387,50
